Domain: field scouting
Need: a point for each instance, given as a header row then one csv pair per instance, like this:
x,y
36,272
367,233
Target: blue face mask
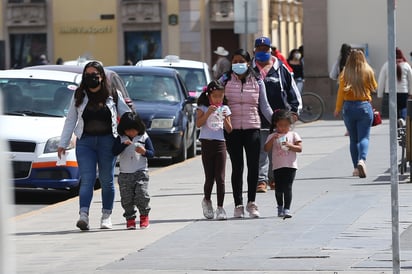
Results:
x,y
239,68
262,56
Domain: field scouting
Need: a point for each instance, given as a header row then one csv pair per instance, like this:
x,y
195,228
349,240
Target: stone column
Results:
x,y
315,39
284,19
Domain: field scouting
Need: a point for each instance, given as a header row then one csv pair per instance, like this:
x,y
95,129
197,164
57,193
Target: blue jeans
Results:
x,y
92,152
358,116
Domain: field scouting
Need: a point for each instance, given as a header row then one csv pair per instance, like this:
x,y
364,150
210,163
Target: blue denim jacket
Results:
x,y
74,121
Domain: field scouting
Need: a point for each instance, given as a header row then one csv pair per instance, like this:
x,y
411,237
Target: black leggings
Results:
x,y
283,185
214,166
249,139
402,104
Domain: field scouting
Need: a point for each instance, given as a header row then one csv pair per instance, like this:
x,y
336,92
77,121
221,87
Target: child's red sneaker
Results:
x,y
144,221
131,224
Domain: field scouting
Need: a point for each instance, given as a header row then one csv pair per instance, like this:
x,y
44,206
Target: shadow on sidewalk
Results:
x,y
326,178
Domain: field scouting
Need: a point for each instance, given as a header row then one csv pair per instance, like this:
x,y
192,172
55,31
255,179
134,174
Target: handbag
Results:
x,y
377,120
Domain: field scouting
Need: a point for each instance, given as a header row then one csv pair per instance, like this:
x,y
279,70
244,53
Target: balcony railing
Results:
x,y
221,10
26,14
141,11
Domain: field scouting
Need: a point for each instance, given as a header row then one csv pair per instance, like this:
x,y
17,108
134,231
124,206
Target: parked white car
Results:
x,y
35,105
195,74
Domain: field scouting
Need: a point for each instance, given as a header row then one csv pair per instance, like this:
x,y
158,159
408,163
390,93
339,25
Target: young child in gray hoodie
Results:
x,y
134,147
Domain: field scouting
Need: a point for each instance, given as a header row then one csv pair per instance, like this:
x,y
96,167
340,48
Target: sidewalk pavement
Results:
x,y
340,223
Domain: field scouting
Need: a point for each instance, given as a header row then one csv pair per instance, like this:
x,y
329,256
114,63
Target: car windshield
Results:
x,y
195,79
151,88
34,97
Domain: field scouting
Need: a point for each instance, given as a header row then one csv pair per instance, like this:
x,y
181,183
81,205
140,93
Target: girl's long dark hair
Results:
x,y
204,97
104,92
400,58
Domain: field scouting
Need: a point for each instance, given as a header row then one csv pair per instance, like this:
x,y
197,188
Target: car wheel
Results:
x,y
191,151
182,152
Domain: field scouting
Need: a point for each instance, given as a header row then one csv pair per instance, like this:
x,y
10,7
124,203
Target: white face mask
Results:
x,y
239,68
297,56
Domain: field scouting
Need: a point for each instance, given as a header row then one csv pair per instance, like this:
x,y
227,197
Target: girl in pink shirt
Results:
x,y
284,144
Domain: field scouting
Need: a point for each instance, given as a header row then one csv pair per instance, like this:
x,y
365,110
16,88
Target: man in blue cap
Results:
x,y
282,93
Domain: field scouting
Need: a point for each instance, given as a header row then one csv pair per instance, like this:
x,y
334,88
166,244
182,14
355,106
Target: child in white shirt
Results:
x,y
213,118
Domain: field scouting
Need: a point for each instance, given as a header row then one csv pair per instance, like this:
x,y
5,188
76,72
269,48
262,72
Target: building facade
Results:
x,y
363,24
116,31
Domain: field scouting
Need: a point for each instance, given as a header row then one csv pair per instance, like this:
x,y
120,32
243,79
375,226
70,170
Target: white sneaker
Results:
x,y
220,213
239,211
207,209
83,222
106,221
362,169
252,209
287,214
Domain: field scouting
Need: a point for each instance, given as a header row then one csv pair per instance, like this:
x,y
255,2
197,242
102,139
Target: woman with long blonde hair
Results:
x,y
356,85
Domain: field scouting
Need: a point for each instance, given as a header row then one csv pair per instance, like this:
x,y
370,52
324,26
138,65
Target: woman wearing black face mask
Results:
x,y
92,117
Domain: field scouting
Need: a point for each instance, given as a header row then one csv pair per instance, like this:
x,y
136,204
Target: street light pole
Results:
x,y
246,23
393,135
7,250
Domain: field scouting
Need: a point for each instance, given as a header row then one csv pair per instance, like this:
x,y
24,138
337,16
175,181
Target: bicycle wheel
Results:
x,y
312,108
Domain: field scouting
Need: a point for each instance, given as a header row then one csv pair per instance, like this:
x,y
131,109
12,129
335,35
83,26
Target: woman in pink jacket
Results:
x,y
246,95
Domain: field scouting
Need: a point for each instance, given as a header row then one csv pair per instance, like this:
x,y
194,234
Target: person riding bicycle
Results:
x,y
281,92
